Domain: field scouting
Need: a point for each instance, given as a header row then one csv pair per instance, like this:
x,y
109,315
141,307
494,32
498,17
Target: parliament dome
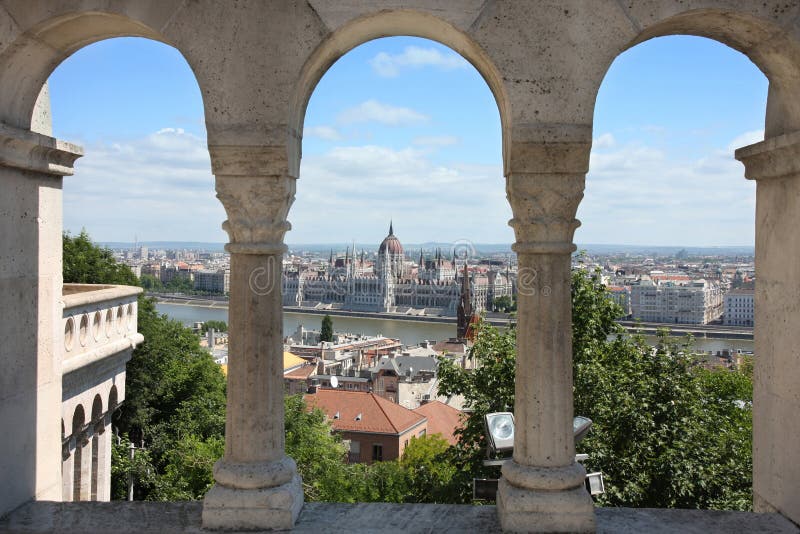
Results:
x,y
390,244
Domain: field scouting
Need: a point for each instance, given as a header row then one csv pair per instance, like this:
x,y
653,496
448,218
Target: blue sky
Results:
x,y
404,128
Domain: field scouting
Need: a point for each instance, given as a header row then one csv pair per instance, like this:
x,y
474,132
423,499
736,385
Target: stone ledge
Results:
x,y
319,518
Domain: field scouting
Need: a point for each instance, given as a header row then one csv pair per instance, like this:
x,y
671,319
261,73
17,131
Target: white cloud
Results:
x,y
327,133
435,141
390,65
747,138
642,194
159,187
606,140
374,111
359,188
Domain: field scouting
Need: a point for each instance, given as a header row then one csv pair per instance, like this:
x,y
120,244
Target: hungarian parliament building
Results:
x,y
393,283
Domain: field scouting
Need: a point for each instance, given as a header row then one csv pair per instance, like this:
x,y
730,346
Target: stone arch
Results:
x,y
394,23
32,53
771,47
113,399
766,34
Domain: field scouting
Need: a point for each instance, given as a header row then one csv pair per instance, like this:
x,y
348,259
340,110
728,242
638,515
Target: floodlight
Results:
x,y
580,427
594,483
500,431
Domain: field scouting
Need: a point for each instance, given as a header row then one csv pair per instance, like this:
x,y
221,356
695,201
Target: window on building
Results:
x,y
377,453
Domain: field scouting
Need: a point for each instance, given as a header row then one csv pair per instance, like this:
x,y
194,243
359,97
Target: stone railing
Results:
x,y
98,321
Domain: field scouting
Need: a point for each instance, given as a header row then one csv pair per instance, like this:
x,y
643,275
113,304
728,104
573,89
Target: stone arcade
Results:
x,y
256,64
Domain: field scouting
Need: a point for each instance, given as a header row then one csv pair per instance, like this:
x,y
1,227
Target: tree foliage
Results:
x,y
667,432
87,263
504,304
175,393
218,326
326,332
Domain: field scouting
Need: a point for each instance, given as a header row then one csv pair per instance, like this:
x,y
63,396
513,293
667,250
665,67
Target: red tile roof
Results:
x,y
300,373
442,419
377,414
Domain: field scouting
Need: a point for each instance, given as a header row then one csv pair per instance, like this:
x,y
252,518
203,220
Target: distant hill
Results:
x,y
446,247
170,245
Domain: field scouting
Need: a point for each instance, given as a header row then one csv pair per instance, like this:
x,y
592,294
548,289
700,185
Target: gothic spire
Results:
x,y
391,229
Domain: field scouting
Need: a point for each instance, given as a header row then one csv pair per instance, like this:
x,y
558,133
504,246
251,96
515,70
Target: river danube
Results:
x,y
409,332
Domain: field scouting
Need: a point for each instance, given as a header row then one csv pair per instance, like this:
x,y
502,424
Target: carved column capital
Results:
x,y
31,151
545,187
257,190
776,157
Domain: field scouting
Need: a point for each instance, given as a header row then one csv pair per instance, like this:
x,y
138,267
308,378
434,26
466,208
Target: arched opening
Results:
x,y
113,397
668,118
33,167
146,175
771,165
402,145
390,23
79,437
139,190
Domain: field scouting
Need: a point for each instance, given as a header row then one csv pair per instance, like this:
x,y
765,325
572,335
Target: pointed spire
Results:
x,y
391,229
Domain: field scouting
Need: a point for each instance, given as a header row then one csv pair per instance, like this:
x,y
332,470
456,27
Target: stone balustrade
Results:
x,y
99,326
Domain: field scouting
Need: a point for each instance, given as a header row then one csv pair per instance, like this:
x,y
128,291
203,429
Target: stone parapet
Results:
x,y
30,151
98,321
776,157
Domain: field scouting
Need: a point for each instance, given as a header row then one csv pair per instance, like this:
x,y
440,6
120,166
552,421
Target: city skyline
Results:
x,y
386,115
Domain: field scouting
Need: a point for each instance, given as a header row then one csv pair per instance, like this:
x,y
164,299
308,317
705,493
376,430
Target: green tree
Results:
x,y
428,469
175,393
179,284
140,467
504,304
320,454
87,263
326,332
667,433
219,326
150,282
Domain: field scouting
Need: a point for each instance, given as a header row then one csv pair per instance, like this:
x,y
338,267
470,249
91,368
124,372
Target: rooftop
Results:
x,y
377,414
442,419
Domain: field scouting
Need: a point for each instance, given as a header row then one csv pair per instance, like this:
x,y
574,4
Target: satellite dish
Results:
x,y
334,382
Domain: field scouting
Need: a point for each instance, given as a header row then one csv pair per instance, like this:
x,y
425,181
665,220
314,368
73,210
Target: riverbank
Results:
x,y
434,319
649,329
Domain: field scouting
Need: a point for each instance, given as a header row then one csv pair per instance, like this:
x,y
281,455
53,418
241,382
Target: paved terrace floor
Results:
x,y
318,518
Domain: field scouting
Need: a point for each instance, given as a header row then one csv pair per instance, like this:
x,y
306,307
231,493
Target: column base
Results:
x,y
550,509
274,508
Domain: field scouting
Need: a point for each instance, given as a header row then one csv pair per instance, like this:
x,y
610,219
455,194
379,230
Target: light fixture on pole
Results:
x,y
500,431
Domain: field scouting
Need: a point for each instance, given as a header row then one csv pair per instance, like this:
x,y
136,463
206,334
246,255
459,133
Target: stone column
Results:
x,y
31,169
257,484
775,165
67,467
84,441
102,478
542,488
104,489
